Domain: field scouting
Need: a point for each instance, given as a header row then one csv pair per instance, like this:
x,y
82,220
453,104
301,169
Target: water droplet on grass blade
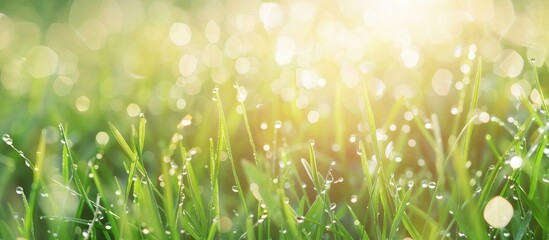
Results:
x,y
277,124
300,219
515,162
19,190
7,139
354,198
235,189
498,212
241,95
389,150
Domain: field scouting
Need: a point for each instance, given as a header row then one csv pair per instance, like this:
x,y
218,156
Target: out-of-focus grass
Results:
x,y
337,120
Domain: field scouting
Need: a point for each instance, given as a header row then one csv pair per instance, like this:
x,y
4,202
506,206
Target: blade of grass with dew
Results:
x,y
314,168
359,228
530,109
339,228
250,136
409,225
135,164
168,193
373,203
122,142
536,168
100,190
35,187
84,199
90,231
288,214
265,190
399,213
383,197
538,85
194,189
476,227
371,123
536,204
65,166
141,134
314,219
131,154
214,182
22,229
523,226
149,210
224,143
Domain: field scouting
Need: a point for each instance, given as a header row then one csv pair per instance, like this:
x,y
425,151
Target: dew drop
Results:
x,y
108,226
300,219
454,110
7,139
235,188
277,124
389,150
515,162
241,95
186,121
352,138
332,206
19,190
354,198
432,185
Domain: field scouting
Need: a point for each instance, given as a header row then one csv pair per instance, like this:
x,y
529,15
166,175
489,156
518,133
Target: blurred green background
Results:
x,y
85,63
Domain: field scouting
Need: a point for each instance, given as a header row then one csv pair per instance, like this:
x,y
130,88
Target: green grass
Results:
x,y
329,126
186,197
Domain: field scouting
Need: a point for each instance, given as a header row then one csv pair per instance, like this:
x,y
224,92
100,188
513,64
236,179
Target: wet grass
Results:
x,y
286,191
